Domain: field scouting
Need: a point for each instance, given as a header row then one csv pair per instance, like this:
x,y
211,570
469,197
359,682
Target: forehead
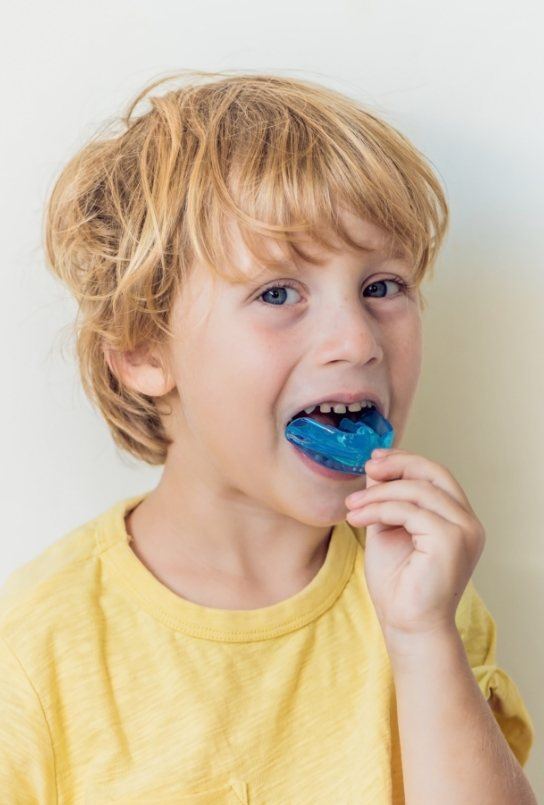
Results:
x,y
370,238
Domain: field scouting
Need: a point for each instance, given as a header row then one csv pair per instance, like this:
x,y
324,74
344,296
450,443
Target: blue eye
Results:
x,y
402,285
277,288
281,296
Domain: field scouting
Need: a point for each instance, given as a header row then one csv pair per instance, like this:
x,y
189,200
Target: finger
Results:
x,y
423,493
428,530
401,464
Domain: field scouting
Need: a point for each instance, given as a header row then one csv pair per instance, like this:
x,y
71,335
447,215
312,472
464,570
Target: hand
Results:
x,y
423,541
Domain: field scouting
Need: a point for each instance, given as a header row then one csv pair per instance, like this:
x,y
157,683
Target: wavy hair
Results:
x,y
133,209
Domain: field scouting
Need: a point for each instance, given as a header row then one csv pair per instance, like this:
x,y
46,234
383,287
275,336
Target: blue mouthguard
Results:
x,y
346,448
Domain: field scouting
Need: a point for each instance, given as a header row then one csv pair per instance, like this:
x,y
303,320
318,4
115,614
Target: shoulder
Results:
x,y
42,588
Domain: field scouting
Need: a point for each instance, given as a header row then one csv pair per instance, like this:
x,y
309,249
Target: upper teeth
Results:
x,y
339,408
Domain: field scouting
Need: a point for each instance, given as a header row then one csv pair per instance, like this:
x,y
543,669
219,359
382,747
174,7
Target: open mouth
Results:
x,y
340,441
333,418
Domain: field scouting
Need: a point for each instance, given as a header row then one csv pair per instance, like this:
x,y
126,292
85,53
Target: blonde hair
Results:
x,y
132,211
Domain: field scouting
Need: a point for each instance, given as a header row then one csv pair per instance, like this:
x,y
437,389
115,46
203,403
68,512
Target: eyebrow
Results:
x,y
282,264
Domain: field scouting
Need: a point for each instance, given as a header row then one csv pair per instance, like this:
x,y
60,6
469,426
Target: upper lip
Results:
x,y
346,397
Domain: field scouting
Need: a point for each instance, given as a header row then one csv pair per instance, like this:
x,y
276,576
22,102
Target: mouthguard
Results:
x,y
347,447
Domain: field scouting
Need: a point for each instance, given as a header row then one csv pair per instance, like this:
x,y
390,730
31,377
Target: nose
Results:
x,y
347,332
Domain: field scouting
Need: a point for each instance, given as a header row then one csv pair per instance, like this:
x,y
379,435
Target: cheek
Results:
x,y
414,351
406,345
404,366
256,368
236,383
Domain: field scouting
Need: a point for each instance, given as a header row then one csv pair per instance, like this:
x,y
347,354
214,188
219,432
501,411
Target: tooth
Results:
x,y
340,408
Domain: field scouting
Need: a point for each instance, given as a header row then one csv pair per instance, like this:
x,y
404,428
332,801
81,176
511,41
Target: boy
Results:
x,y
250,249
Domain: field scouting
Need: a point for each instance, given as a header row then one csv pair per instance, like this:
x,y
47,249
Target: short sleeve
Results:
x,y
27,769
478,631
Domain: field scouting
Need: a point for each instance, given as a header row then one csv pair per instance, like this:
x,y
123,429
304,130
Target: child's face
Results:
x,y
243,366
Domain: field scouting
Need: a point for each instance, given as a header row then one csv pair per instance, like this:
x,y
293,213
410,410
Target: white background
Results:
x,y
464,82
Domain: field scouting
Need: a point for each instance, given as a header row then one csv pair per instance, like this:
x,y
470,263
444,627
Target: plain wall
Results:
x,y
465,82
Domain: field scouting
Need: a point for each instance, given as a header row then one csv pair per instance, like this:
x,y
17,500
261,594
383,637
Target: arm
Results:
x,y
422,543
453,750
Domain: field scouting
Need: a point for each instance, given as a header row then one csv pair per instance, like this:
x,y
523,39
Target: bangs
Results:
x,y
280,159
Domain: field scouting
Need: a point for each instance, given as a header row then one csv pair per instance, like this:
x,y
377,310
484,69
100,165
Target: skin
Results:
x,y
423,541
237,520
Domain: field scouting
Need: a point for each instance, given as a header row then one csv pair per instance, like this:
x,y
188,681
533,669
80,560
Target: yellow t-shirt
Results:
x,y
115,689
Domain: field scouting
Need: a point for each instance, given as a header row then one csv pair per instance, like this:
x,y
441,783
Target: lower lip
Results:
x,y
325,472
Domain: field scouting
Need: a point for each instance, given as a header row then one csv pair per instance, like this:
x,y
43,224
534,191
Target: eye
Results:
x,y
402,285
275,289
278,291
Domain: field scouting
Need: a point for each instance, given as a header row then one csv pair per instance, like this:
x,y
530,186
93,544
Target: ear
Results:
x,y
141,370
